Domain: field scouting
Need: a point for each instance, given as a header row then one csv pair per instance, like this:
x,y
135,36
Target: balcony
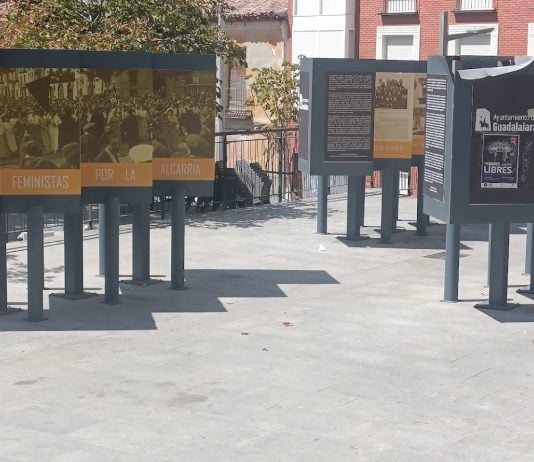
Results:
x,y
475,5
399,7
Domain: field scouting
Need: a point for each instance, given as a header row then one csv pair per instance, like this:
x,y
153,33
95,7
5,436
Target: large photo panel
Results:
x,y
394,115
39,131
183,125
502,143
117,144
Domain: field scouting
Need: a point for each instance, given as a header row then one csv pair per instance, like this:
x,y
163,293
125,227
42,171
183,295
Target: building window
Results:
x,y
400,6
333,6
397,42
318,44
236,93
481,45
307,7
319,7
475,5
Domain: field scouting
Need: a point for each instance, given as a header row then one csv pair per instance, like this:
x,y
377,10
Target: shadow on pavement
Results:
x,y
407,239
523,313
204,290
402,239
253,217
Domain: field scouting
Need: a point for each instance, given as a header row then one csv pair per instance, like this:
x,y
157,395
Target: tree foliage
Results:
x,y
276,91
166,26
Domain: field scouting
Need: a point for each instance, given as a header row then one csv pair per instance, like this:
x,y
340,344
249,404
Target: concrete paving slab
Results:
x,y
286,346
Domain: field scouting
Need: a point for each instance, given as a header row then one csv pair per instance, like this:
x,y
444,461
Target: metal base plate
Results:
x,y
36,319
75,296
140,283
488,306
355,239
525,291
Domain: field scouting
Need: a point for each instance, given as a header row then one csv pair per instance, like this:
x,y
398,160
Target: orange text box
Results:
x,y
418,146
392,149
35,182
184,169
123,174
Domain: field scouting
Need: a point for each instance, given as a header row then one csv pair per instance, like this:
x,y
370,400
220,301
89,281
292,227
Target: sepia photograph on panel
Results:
x,y
136,115
39,118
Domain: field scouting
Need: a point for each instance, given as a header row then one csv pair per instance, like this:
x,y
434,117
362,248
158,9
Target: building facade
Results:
x,y
410,29
322,28
262,29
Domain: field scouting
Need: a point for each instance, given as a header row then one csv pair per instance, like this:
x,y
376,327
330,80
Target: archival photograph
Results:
x,y
419,107
394,101
391,93
137,115
39,120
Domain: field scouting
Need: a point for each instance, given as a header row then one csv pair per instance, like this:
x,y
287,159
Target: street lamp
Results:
x,y
445,37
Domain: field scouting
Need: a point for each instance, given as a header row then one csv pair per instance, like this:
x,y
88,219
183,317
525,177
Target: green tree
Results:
x,y
277,92
165,26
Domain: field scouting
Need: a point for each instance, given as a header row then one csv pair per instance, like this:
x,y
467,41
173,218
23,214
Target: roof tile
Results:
x,y
263,9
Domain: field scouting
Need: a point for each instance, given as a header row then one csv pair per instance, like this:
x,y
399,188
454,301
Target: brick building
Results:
x,y
409,29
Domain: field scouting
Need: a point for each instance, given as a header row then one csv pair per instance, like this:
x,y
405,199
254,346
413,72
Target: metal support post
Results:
x,y
396,194
529,261
452,262
386,222
530,248
498,268
225,173
178,239
322,204
35,263
73,229
4,308
422,219
361,200
280,166
141,244
111,244
353,208
101,239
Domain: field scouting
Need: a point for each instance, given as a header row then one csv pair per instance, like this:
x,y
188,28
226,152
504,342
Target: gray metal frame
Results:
x,y
318,69
456,209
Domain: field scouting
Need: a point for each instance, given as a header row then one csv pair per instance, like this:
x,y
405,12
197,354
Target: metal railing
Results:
x,y
237,103
272,155
400,6
475,5
257,167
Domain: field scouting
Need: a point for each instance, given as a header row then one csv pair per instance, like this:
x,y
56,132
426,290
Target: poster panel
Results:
x,y
394,115
116,142
182,125
500,155
419,108
349,121
39,132
435,136
502,145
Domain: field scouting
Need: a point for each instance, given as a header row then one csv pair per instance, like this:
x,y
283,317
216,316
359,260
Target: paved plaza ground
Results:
x,y
286,346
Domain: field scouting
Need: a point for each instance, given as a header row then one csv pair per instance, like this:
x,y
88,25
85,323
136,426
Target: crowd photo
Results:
x,y
391,94
133,117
